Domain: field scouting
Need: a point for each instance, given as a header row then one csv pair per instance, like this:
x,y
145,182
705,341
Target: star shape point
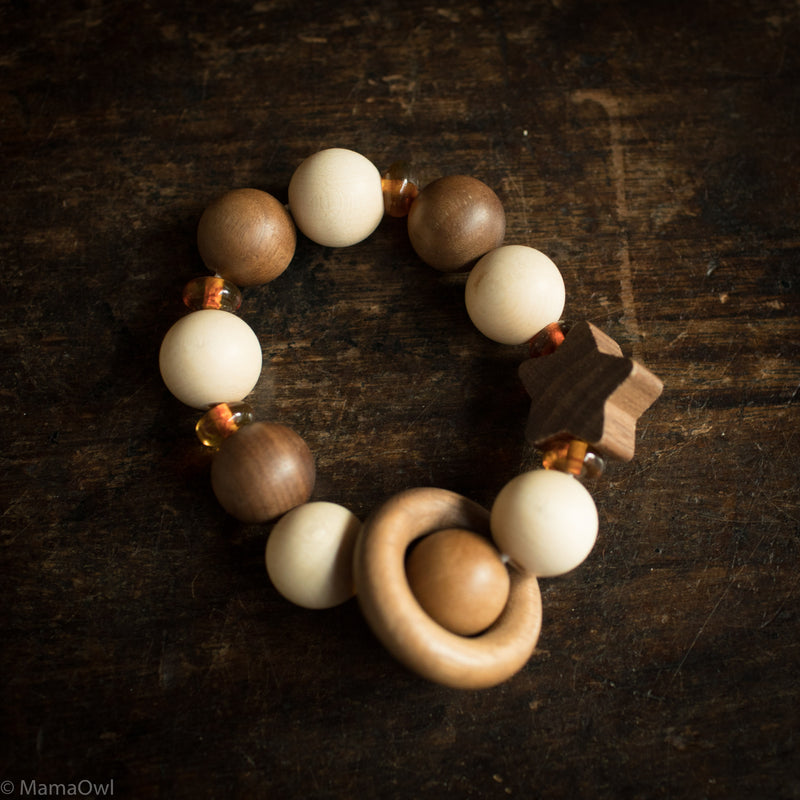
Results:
x,y
587,389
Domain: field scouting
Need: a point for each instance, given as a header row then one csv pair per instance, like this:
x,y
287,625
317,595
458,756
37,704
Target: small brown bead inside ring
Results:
x,y
459,579
399,621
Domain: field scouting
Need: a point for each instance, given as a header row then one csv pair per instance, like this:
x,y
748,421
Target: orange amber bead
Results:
x,y
573,456
399,189
212,292
547,340
219,422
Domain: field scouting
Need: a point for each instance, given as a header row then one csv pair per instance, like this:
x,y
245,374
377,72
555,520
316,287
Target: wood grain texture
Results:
x,y
587,389
263,473
649,149
455,220
247,237
408,631
459,579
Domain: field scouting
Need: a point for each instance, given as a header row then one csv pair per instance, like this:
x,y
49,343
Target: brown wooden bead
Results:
x,y
458,578
262,471
454,221
247,236
400,622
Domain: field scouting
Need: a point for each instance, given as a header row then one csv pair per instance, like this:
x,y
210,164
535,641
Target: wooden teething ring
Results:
x,y
402,625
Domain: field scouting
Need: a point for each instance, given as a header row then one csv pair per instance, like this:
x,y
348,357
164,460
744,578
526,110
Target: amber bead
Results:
x,y
459,580
573,456
454,221
262,471
548,339
212,292
247,236
221,421
399,189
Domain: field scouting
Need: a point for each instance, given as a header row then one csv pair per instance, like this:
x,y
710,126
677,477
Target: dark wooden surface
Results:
x,y
651,149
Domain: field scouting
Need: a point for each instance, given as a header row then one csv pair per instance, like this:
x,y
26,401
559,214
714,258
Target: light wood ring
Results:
x,y
399,621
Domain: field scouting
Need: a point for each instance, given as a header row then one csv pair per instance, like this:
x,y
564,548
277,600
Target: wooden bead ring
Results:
x,y
399,621
513,294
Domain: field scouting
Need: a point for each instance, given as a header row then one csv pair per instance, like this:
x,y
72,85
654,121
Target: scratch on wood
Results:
x,y
611,106
702,628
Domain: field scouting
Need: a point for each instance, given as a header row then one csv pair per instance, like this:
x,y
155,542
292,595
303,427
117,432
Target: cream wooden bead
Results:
x,y
309,554
336,197
513,292
545,521
210,357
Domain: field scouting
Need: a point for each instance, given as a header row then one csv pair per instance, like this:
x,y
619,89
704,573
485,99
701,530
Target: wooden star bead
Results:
x,y
588,390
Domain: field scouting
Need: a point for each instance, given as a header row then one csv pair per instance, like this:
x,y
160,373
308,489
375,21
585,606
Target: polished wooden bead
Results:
x,y
454,221
309,554
545,521
209,357
336,197
247,237
262,471
513,292
458,578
